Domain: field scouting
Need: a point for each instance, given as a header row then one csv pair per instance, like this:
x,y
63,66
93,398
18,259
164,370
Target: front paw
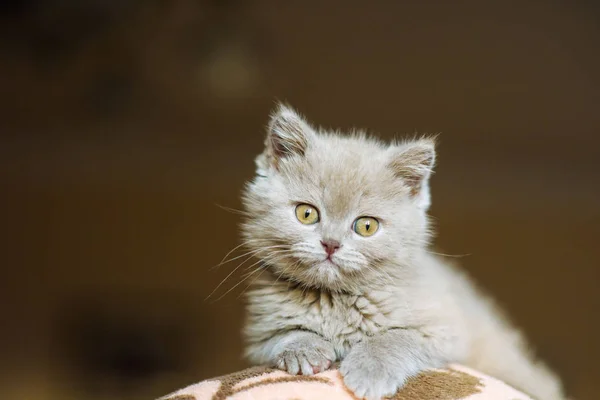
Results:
x,y
306,357
369,375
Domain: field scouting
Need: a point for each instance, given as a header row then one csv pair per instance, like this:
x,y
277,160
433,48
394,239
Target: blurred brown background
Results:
x,y
123,124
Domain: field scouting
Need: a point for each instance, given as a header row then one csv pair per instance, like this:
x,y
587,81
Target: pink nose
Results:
x,y
330,246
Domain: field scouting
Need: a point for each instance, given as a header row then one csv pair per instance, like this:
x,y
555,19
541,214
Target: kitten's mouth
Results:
x,y
328,260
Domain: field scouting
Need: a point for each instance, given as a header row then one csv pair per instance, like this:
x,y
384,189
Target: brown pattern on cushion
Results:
x,y
439,385
182,397
239,376
285,379
228,382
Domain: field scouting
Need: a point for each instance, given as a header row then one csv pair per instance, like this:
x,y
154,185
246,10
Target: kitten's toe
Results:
x,y
291,363
305,360
322,366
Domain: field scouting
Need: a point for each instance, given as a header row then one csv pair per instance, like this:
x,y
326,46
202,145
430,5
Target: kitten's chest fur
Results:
x,y
343,319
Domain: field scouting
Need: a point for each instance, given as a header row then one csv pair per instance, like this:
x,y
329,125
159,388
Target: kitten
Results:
x,y
340,227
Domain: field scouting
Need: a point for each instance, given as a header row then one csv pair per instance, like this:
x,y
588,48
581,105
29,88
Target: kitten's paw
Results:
x,y
368,375
306,357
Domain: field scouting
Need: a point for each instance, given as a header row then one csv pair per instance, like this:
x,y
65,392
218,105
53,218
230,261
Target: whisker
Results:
x,y
448,255
262,269
258,262
296,265
224,261
239,283
253,252
271,257
227,277
233,210
278,278
232,250
242,244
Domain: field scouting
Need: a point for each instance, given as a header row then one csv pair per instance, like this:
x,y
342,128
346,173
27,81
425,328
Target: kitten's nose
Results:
x,y
330,246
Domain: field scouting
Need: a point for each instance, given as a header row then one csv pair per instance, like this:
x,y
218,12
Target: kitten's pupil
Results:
x,y
307,213
368,225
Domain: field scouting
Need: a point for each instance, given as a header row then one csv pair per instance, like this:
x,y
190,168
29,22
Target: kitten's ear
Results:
x,y
288,135
413,163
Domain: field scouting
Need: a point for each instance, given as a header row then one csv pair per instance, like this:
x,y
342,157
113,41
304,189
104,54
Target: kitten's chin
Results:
x,y
328,271
323,275
328,275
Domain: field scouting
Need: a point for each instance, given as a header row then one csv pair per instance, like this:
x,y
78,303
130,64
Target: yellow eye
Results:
x,y
366,226
307,214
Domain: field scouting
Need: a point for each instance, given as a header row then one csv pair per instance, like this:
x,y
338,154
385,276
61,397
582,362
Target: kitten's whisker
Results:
x,y
235,248
245,242
233,259
248,241
248,274
448,255
252,252
262,269
275,256
258,262
295,266
227,277
237,284
255,251
233,210
235,269
283,271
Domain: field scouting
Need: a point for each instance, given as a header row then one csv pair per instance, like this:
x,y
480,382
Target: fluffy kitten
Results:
x,y
340,225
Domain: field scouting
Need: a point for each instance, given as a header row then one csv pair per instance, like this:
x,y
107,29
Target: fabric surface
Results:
x,y
261,383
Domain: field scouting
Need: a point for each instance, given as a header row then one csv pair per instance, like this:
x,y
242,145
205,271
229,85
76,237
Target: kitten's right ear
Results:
x,y
288,135
413,163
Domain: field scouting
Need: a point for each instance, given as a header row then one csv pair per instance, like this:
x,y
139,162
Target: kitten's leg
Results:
x,y
378,366
296,352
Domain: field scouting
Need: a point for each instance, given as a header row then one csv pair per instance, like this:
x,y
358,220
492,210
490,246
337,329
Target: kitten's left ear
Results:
x,y
413,163
288,135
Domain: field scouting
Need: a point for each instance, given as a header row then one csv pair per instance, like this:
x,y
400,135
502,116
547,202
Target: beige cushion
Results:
x,y
260,383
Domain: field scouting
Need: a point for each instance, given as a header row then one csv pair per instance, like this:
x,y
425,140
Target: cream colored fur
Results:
x,y
384,306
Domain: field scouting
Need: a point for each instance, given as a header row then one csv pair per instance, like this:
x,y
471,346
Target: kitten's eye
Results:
x,y
366,226
307,214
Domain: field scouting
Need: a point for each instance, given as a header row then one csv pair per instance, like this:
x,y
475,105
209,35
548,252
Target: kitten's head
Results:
x,y
337,212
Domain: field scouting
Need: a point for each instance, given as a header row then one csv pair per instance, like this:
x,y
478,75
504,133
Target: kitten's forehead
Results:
x,y
345,175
